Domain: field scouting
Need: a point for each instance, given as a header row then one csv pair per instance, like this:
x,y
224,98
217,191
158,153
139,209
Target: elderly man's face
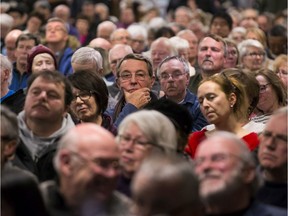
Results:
x,y
133,75
272,152
159,51
95,169
173,79
218,166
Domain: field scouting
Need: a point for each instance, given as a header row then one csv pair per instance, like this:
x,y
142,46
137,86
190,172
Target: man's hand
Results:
x,y
138,98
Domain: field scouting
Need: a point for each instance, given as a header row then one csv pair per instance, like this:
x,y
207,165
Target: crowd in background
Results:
x,y
134,107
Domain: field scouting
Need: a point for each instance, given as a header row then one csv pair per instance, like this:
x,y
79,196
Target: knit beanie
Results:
x,y
39,50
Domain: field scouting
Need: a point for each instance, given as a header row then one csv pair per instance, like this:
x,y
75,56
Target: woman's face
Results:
x,y
213,102
267,96
254,58
232,57
134,146
86,109
282,73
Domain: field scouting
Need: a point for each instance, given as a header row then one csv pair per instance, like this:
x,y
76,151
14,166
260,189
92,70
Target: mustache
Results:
x,y
207,59
41,105
209,175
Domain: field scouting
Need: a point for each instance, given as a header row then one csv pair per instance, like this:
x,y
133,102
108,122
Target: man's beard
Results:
x,y
215,189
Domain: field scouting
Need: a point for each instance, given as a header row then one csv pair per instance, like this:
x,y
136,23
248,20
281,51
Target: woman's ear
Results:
x,y
232,99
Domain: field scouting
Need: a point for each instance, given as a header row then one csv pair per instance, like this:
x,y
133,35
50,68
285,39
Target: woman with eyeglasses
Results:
x,y
252,55
280,67
224,103
90,99
272,95
140,134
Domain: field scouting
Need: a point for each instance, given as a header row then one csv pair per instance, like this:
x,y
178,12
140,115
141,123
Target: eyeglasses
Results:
x,y
140,76
174,76
100,162
84,96
281,73
137,143
255,54
138,41
263,88
277,137
232,53
215,158
55,29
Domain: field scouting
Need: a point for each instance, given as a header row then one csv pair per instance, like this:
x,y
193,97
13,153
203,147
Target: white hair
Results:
x,y
85,55
158,129
6,65
179,43
136,30
6,20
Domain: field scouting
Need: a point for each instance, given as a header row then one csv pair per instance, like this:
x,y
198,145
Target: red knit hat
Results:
x,y
38,50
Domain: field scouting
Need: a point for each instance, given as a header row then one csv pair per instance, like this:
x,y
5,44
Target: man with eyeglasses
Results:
x,y
87,166
135,78
42,122
228,180
173,73
272,156
56,38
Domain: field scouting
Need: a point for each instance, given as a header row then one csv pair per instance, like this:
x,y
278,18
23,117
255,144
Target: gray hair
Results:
x,y
136,30
88,55
179,43
173,172
242,47
118,47
107,24
167,44
6,20
6,65
180,59
158,129
247,158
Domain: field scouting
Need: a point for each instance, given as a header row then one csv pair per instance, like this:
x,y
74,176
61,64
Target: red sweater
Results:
x,y
197,137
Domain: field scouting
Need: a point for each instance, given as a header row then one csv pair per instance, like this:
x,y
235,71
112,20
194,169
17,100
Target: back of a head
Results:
x,y
20,194
178,114
167,175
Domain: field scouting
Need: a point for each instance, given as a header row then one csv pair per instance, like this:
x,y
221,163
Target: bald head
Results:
x,y
100,42
87,136
116,54
10,43
62,11
105,29
120,36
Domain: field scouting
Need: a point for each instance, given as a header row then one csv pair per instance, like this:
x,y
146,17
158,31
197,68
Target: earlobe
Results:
x,y
232,99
